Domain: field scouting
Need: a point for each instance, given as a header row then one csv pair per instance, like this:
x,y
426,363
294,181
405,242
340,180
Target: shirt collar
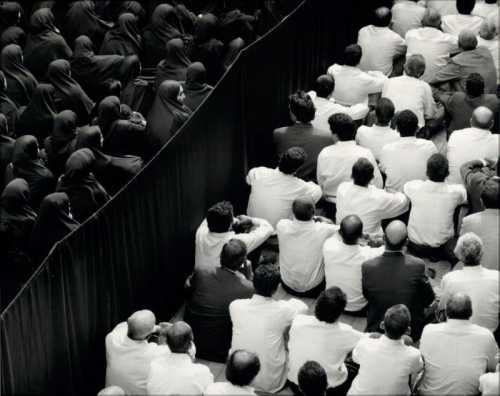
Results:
x,y
388,341
472,268
457,322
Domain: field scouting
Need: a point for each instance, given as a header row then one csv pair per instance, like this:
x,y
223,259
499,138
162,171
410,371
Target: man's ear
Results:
x,y
408,330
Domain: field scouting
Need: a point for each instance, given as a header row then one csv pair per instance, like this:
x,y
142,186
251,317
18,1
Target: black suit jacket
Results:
x,y
396,278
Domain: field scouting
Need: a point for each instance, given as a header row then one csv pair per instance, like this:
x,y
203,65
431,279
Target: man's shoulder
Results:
x,y
414,262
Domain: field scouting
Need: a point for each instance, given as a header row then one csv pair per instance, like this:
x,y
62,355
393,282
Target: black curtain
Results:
x,y
136,252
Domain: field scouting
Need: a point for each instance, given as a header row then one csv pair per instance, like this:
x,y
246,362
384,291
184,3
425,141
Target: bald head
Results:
x,y
242,367
303,209
482,118
351,229
383,17
415,66
395,235
141,324
459,306
179,337
467,40
432,18
112,391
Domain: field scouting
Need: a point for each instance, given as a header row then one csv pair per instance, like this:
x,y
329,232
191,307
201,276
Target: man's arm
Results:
x,y
426,292
393,204
447,73
261,231
377,181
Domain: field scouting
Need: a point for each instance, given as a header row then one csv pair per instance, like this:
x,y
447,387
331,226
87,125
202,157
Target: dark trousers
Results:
x,y
329,209
443,252
312,293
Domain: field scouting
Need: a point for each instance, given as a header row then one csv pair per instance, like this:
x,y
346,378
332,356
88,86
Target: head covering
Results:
x,y
135,8
62,142
43,20
10,12
108,112
15,209
166,115
233,49
7,106
195,87
81,19
174,66
53,224
20,82
124,39
13,35
205,28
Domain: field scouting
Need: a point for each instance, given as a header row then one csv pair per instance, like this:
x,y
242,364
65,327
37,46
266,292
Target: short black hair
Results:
x,y
397,319
291,160
330,304
313,380
302,106
385,111
362,172
233,254
242,367
266,279
491,194
324,85
220,217
474,85
343,126
407,123
303,209
352,55
459,306
382,17
465,6
437,168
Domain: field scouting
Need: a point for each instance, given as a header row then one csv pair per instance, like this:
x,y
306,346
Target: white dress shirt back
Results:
x,y
489,384
484,10
432,208
343,269
482,286
259,324
326,343
300,256
325,108
454,24
406,15
273,193
375,137
456,353
226,388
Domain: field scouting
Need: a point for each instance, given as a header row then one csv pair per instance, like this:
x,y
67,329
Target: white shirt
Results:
x,y
484,10
259,324
434,45
454,24
406,15
326,343
456,353
370,203
469,144
405,160
226,388
385,366
432,208
209,244
482,286
492,46
343,269
335,166
178,375
444,7
375,137
273,193
300,256
380,45
128,361
410,93
489,384
352,85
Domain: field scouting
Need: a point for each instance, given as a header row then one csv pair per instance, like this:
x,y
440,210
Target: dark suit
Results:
x,y
396,278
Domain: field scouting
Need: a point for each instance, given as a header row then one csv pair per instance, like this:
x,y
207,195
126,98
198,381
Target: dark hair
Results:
x,y
437,168
303,209
474,85
343,126
352,55
407,123
396,321
330,304
302,106
179,337
384,111
242,367
324,86
491,194
465,6
351,229
291,160
233,254
266,279
459,306
382,17
312,379
362,172
220,217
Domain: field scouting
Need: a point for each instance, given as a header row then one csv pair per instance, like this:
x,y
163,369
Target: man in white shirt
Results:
x,y
343,256
241,369
430,42
488,37
489,383
446,7
324,339
408,92
370,203
386,363
259,325
486,9
406,158
479,283
300,244
454,24
129,355
381,46
335,162
176,374
456,352
433,203
406,15
274,190
312,379
476,142
112,391
217,229
352,85
381,133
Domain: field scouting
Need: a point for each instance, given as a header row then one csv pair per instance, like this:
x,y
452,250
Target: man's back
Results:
x,y
454,24
459,108
375,138
406,15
